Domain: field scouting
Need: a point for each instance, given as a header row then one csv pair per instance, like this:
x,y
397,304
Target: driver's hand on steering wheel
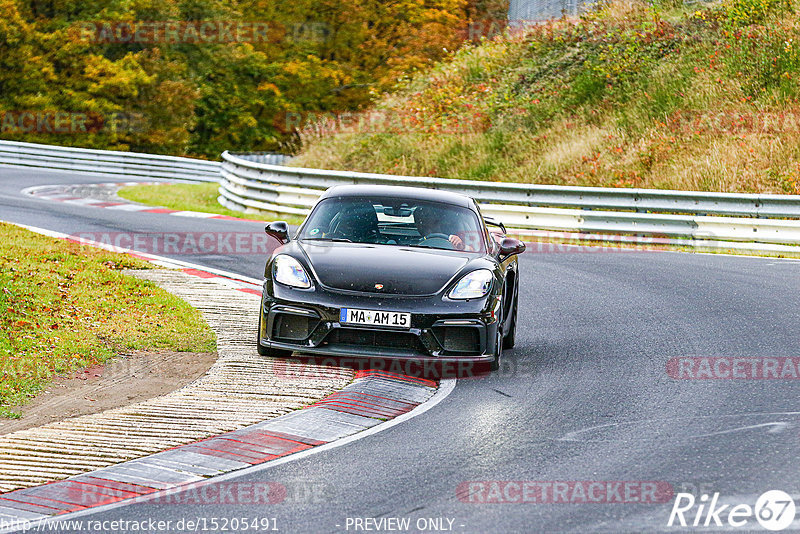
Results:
x,y
457,242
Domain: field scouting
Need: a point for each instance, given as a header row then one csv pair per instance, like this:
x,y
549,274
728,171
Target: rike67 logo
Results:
x,y
774,510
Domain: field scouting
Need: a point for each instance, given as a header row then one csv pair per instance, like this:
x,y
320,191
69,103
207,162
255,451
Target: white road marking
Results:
x,y
774,428
576,434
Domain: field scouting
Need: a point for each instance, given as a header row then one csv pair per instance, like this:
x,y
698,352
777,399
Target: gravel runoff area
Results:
x,y
240,389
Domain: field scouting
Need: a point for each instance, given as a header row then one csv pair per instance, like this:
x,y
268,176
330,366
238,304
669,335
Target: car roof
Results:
x,y
395,191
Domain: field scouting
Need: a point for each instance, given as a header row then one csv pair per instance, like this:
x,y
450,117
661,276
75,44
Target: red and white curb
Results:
x,y
374,401
83,195
366,403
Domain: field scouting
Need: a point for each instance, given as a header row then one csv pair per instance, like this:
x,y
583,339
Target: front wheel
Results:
x,y
498,351
498,344
511,333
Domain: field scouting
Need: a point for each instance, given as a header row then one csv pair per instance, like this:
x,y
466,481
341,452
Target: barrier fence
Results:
x,y
687,215
257,182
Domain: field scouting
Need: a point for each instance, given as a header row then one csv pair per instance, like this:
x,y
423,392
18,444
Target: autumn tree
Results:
x,y
200,98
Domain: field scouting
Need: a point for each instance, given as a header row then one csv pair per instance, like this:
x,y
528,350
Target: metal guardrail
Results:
x,y
522,12
270,158
247,183
540,10
107,162
640,212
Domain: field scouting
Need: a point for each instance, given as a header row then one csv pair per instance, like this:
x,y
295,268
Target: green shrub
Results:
x,y
746,12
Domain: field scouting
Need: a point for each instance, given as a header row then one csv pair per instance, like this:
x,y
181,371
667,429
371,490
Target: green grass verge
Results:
x,y
194,197
657,94
64,307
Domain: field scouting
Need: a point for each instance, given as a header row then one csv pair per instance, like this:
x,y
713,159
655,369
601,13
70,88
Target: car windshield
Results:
x,y
402,222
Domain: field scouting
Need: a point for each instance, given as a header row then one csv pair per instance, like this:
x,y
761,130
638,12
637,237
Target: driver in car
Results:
x,y
429,222
358,224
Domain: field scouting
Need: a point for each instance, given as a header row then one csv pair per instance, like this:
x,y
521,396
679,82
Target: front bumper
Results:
x,y
308,322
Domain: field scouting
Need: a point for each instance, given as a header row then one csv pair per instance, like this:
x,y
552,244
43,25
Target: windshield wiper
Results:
x,y
334,239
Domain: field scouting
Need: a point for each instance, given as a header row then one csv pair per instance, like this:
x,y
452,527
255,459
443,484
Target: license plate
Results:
x,y
375,318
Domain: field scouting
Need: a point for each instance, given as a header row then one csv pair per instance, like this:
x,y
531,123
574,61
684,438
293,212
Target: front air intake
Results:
x,y
459,339
288,327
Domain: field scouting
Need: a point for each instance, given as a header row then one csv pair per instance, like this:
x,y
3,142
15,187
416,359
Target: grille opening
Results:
x,y
463,339
375,339
292,327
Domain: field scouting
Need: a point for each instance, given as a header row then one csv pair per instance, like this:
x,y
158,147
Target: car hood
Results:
x,y
401,270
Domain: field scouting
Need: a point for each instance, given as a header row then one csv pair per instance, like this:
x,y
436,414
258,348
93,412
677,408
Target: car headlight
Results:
x,y
288,271
473,285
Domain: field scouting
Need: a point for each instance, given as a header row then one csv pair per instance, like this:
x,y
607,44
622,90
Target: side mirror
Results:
x,y
510,246
279,230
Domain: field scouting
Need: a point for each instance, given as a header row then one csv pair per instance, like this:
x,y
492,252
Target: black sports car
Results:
x,y
391,272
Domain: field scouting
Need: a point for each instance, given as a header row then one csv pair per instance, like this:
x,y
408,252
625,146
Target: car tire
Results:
x,y
498,344
511,334
268,351
498,351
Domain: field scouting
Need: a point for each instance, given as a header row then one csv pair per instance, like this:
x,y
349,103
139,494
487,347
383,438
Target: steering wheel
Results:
x,y
437,236
437,240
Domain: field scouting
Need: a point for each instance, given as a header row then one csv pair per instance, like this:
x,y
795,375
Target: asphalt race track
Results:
x,y
584,397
